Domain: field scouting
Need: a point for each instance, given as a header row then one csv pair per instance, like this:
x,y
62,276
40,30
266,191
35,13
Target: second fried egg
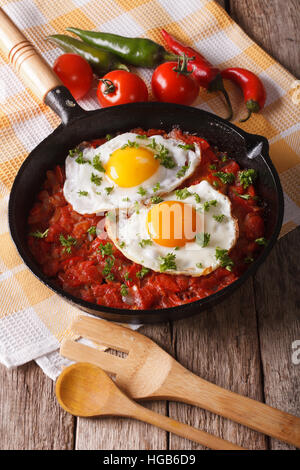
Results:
x,y
191,232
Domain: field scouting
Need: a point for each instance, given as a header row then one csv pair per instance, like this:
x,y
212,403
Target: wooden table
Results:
x,y
244,345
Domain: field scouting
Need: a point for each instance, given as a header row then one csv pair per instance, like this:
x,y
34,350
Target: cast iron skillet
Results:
x,y
78,125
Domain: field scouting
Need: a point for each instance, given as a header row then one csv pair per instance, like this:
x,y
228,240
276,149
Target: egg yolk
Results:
x,y
173,223
131,166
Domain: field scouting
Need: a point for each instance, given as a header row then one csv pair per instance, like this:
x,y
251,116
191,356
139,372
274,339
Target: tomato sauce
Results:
x,y
69,250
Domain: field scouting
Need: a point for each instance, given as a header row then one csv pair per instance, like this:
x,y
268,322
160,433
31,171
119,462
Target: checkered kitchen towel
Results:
x,y
33,320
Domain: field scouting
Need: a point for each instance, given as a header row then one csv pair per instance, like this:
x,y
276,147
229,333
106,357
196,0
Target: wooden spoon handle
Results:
x,y
186,387
181,429
30,65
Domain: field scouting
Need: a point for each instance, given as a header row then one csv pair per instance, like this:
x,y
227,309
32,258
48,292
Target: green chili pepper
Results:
x,y
140,52
100,61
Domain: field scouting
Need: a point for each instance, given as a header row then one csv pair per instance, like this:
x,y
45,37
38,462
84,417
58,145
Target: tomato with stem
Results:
x,y
120,87
172,82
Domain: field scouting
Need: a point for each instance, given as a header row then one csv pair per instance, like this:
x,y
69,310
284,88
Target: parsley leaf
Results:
x,y
199,265
261,241
39,234
208,204
106,249
82,193
186,146
92,230
142,191
140,274
156,199
156,187
224,258
180,173
202,239
219,218
97,180
226,178
145,242
109,189
247,177
97,164
124,290
182,193
162,154
67,243
167,262
81,160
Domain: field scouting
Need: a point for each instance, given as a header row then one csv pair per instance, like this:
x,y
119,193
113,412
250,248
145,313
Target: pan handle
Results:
x,y
35,72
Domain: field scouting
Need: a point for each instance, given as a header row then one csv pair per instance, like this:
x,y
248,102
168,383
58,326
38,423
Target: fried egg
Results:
x,y
189,232
126,171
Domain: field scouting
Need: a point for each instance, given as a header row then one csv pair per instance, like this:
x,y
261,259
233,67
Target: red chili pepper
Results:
x,y
253,89
207,75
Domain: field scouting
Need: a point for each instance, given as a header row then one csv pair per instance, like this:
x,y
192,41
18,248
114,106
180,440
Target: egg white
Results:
x,y
128,229
78,176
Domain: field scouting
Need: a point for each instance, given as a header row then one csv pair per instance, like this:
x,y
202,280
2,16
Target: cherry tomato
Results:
x,y
120,87
171,82
75,73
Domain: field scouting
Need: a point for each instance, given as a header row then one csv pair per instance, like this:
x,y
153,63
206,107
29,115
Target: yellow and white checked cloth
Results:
x,y
32,319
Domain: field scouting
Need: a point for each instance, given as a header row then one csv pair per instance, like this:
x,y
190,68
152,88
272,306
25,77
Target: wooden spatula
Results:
x,y
149,372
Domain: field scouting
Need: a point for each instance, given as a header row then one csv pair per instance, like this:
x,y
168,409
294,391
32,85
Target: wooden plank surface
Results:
x,y
244,345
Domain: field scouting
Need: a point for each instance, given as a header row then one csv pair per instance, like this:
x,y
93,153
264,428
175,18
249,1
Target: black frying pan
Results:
x,y
78,125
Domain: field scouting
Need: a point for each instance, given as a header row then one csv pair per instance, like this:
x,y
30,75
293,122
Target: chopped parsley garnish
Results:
x,y
92,230
142,191
247,177
261,241
186,146
142,136
109,189
74,152
124,290
182,193
224,258
202,239
140,274
167,262
82,193
81,160
226,178
126,277
244,196
216,184
97,180
130,143
199,265
156,187
208,204
125,199
180,173
197,198
219,218
67,243
109,262
106,249
97,164
39,234
145,242
153,144
156,199
108,136
213,167
162,154
122,244
248,260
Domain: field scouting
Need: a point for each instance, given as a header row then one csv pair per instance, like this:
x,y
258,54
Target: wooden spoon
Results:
x,y
149,372
85,390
